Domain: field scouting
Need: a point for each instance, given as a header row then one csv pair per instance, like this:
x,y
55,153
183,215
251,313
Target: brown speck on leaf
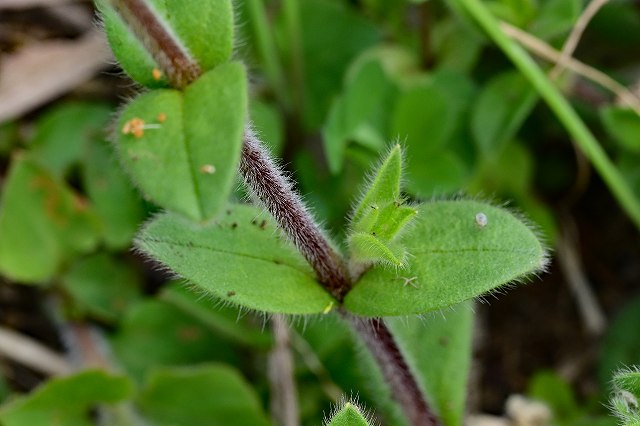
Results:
x,y
263,224
443,341
277,262
231,293
234,225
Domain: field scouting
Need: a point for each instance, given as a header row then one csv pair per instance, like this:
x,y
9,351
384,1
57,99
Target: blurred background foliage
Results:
x,y
334,82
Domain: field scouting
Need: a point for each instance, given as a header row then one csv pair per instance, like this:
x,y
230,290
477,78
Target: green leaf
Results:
x,y
64,131
154,333
452,258
624,125
112,196
555,18
348,415
423,116
549,387
501,108
67,400
360,114
324,69
102,286
222,320
43,223
367,248
620,345
205,29
207,394
438,350
239,259
625,401
385,186
187,158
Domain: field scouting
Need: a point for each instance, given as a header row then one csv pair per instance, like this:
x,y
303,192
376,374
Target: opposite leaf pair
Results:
x,y
447,257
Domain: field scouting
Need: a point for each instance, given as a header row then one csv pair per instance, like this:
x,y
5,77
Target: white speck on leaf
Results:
x,y
481,220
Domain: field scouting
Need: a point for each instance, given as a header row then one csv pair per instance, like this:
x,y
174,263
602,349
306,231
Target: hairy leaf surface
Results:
x,y
452,258
239,258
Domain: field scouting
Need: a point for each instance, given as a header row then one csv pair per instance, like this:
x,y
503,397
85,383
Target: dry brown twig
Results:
x,y
547,52
576,34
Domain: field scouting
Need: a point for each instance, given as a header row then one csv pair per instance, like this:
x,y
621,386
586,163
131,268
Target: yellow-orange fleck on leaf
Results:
x,y
135,126
208,169
157,74
162,117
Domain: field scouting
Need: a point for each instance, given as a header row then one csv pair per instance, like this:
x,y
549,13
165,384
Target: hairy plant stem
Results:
x,y
276,193
404,389
173,59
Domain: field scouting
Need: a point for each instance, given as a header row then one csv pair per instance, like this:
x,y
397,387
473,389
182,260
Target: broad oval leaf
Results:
x,y
183,150
452,258
240,259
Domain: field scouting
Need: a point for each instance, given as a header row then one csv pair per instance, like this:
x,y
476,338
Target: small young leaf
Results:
x,y
43,223
208,394
204,29
367,248
385,186
240,259
451,259
348,415
67,400
183,150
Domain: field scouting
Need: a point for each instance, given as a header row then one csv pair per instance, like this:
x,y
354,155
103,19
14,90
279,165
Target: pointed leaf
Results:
x,y
452,257
349,415
42,223
208,394
67,400
239,259
184,153
367,248
385,186
393,218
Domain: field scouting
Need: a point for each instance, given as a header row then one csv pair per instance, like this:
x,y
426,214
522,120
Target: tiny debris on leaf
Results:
x,y
157,74
208,169
481,220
